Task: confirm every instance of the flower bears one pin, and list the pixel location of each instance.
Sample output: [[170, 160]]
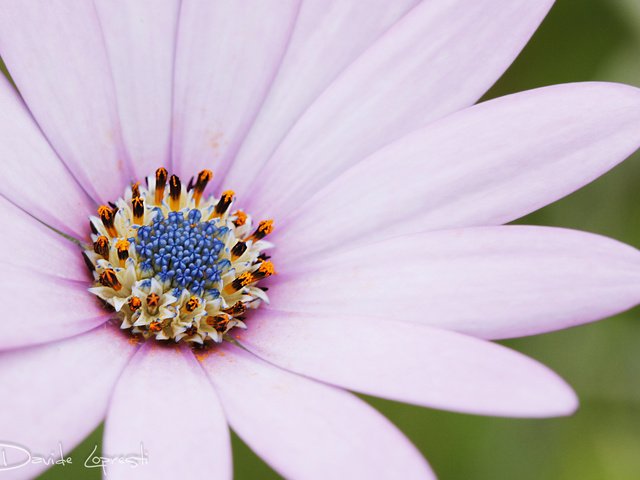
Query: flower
[[350, 124]]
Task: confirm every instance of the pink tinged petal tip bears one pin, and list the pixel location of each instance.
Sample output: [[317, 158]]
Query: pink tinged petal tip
[[228, 52], [429, 64], [409, 363], [488, 164], [305, 429], [56, 56], [140, 42], [491, 282], [44, 284], [33, 177], [165, 405], [54, 395]]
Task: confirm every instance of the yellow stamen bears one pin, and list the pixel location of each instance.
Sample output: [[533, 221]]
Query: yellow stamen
[[218, 323], [101, 246], [238, 250], [203, 178], [107, 215], [241, 218], [155, 327], [161, 181], [108, 278], [223, 204], [265, 227], [237, 309], [191, 304], [122, 246], [138, 210], [153, 300], [134, 303], [265, 270], [241, 281]]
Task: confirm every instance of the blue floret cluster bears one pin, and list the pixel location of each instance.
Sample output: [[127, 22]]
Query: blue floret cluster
[[181, 251]]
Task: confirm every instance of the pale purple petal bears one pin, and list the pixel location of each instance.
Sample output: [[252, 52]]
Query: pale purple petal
[[305, 429], [56, 56], [44, 284], [30, 245], [409, 363], [164, 404], [431, 63], [492, 282], [328, 36], [488, 164], [33, 177], [228, 52], [41, 308], [140, 41], [58, 393]]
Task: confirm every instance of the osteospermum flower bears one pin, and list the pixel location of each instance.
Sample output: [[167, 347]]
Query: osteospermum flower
[[347, 126]]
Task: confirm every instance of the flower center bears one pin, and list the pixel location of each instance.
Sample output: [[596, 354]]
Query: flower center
[[176, 266]]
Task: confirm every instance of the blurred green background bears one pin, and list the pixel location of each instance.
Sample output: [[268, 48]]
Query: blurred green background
[[580, 40]]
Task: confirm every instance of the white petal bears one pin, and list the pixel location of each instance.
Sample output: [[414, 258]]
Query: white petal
[[43, 286], [305, 429], [165, 405], [56, 394], [228, 52], [57, 58], [433, 62], [140, 40], [492, 282], [328, 36], [486, 165], [33, 177], [409, 363]]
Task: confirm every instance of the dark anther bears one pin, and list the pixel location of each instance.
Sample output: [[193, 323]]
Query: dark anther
[[192, 304], [161, 181], [101, 246], [203, 178], [153, 300], [241, 218], [138, 207], [161, 177], [265, 227], [237, 309], [107, 215], [225, 201], [174, 186], [134, 303], [108, 278], [238, 249], [122, 246], [219, 323]]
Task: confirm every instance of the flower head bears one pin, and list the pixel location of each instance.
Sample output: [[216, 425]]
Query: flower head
[[351, 125], [174, 265]]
